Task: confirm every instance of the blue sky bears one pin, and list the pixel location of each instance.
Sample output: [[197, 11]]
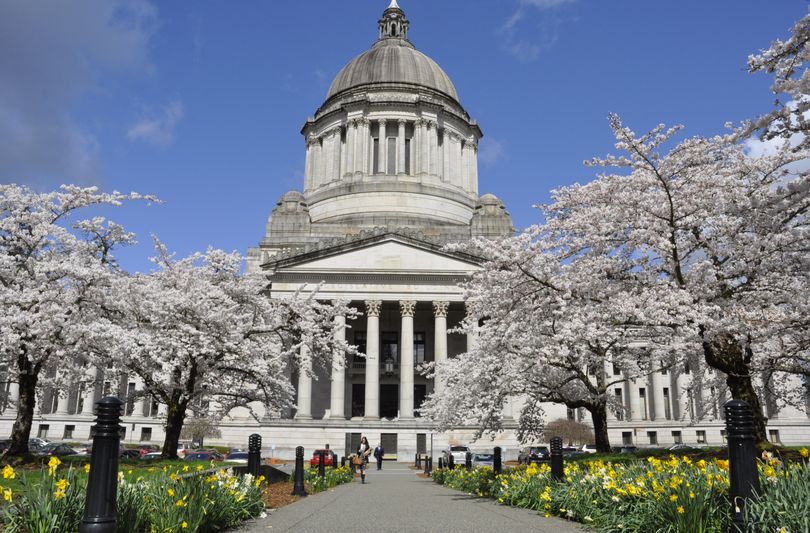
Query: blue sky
[[201, 103]]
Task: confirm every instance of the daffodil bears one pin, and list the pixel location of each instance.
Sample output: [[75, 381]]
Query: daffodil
[[8, 472], [53, 463]]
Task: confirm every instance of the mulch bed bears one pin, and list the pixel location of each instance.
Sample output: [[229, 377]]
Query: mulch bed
[[423, 475], [279, 494]]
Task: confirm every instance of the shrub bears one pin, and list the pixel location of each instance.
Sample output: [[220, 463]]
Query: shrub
[[332, 478]]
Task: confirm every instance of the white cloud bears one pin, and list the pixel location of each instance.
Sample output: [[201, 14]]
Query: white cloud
[[52, 54], [542, 37], [157, 130], [491, 150]]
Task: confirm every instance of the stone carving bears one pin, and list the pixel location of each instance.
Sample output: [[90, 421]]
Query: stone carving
[[407, 307], [373, 307], [440, 309]]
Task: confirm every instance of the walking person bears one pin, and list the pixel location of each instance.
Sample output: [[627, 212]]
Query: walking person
[[378, 454], [363, 451]]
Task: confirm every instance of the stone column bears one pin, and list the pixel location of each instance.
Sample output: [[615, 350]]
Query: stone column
[[62, 403], [372, 407], [328, 159], [681, 389], [304, 407], [473, 166], [89, 394], [457, 166], [308, 166], [358, 146], [446, 155], [416, 143], [383, 144], [424, 147], [13, 395], [335, 175], [351, 135], [439, 342], [407, 308], [401, 147], [317, 164], [433, 141], [337, 399], [365, 128], [657, 395]]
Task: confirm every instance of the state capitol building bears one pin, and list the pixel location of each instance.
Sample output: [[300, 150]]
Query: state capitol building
[[391, 176]]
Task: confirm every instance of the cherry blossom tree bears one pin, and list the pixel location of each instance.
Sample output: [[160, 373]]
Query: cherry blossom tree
[[52, 279], [556, 325], [197, 330]]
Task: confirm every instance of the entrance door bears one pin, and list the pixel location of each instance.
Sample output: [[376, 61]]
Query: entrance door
[[389, 400], [352, 443]]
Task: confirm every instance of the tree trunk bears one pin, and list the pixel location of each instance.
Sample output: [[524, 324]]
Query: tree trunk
[[175, 415], [21, 432], [600, 427], [728, 356]]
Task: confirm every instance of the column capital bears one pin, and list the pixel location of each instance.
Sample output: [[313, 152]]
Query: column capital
[[382, 120], [440, 308], [402, 121], [373, 307], [407, 307]]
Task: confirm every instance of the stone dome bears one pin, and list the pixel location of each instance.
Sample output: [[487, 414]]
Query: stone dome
[[395, 61]]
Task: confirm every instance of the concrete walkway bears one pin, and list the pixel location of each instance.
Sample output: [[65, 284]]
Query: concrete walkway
[[396, 500]]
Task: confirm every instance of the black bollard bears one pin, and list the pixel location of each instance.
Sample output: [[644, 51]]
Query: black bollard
[[298, 488], [557, 470], [742, 458], [441, 462], [496, 460], [102, 484], [322, 463], [430, 465], [427, 469], [451, 461], [418, 463], [342, 461], [468, 460], [254, 454]]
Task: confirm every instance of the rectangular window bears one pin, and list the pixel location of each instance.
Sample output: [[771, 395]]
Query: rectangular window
[[686, 369], [616, 370], [570, 413], [146, 434], [42, 431], [664, 371], [421, 443], [375, 152], [627, 438], [642, 400], [667, 404], [419, 347], [773, 436], [392, 155], [676, 437], [390, 347], [619, 403], [700, 436], [106, 388], [68, 434], [407, 156], [653, 437]]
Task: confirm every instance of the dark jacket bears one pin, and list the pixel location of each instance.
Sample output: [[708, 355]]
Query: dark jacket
[[379, 452]]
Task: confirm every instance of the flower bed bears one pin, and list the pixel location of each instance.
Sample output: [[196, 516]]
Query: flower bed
[[333, 477], [163, 501], [668, 494]]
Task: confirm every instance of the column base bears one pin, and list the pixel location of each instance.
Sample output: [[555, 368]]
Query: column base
[[337, 417], [302, 417], [371, 418]]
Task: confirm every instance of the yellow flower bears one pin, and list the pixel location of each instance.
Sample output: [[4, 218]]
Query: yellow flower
[[673, 498], [62, 484], [87, 468], [681, 510], [185, 468], [199, 468], [170, 492], [804, 452], [173, 476], [129, 471], [53, 463], [59, 494], [180, 503], [7, 495], [8, 472], [184, 525]]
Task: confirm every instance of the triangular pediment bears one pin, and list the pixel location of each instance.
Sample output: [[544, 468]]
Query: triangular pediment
[[381, 254]]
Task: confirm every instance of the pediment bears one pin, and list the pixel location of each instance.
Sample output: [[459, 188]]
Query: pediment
[[389, 254]]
